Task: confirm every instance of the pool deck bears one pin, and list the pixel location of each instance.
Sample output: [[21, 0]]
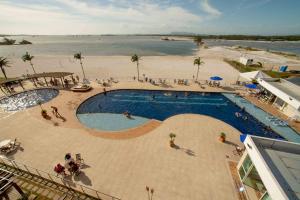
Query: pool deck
[[196, 169]]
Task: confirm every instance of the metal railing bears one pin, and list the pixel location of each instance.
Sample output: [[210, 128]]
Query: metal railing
[[92, 193]]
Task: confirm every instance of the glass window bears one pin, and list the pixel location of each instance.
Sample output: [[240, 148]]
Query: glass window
[[242, 172], [253, 180], [266, 197], [247, 163], [279, 102]]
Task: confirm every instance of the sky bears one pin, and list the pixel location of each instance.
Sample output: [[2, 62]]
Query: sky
[[59, 17]]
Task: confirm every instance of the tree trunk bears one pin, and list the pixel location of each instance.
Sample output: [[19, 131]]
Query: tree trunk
[[197, 73], [32, 67], [4, 73], [138, 70], [82, 70]]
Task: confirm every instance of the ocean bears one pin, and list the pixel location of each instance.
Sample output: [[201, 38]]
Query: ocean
[[126, 45]]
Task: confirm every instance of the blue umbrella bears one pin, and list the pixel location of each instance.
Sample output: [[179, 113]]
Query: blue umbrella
[[243, 137], [216, 78], [251, 86]]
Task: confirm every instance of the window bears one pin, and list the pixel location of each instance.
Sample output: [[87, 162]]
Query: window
[[247, 163], [266, 197], [279, 102]]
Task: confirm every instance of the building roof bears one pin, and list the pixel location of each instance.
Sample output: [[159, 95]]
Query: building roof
[[278, 165], [254, 75], [285, 90], [11, 80], [294, 80], [39, 75], [50, 74]]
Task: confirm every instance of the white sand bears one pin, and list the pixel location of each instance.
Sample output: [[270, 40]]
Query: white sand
[[152, 66]]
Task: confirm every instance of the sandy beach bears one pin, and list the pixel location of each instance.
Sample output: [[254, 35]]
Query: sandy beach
[[168, 67]]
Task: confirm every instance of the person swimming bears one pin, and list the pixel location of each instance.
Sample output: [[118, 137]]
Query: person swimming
[[127, 114], [237, 114]]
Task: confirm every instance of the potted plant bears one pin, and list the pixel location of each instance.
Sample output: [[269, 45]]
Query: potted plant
[[44, 113], [172, 139], [222, 137]]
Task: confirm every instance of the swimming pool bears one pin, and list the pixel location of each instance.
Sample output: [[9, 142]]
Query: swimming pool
[[161, 105], [27, 99]]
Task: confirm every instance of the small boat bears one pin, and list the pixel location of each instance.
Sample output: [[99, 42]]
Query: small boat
[[81, 88]]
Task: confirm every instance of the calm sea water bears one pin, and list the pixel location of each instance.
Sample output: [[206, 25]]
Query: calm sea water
[[99, 45], [126, 45]]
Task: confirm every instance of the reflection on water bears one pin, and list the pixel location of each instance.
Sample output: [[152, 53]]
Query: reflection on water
[[27, 99]]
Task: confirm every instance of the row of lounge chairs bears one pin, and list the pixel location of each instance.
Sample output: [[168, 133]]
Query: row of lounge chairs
[[276, 122], [107, 83]]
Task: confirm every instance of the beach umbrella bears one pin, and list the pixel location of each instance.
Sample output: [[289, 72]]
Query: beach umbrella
[[243, 137], [216, 78], [251, 86]]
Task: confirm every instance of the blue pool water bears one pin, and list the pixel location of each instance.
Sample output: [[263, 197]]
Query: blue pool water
[[160, 105], [111, 121]]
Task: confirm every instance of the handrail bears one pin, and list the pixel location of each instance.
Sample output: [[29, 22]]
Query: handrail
[[60, 180]]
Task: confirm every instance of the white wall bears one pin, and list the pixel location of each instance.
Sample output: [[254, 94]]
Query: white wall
[[289, 100], [268, 178]]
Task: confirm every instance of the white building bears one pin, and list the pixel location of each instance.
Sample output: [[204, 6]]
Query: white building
[[270, 169], [254, 75], [246, 61], [283, 95]]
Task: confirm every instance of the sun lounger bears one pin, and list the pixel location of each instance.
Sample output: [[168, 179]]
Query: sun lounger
[[280, 123], [79, 159], [8, 146], [238, 150], [81, 88]]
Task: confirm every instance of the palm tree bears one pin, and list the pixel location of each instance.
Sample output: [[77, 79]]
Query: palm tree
[[198, 40], [4, 63], [78, 56], [136, 58], [198, 62], [28, 57]]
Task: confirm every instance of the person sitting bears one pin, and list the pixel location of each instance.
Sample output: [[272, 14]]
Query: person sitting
[[74, 168], [59, 169]]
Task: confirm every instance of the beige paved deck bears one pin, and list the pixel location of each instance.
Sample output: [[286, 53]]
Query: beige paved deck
[[197, 170]]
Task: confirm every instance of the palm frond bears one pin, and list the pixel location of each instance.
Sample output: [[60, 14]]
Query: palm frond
[[4, 62], [27, 57], [78, 56]]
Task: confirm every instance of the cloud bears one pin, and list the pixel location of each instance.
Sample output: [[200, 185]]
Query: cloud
[[208, 8], [80, 17]]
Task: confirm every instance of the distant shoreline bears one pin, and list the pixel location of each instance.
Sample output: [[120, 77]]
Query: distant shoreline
[[271, 38]]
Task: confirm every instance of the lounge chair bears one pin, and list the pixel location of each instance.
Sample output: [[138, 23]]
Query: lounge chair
[[81, 88], [280, 123], [79, 159], [238, 150], [10, 147]]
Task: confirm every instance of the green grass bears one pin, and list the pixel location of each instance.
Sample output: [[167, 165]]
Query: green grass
[[275, 74], [242, 68]]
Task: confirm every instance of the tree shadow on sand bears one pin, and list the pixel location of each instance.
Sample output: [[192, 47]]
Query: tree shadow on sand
[[187, 151], [230, 143]]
